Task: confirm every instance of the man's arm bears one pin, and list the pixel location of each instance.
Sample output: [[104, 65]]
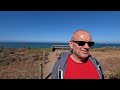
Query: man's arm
[[54, 74]]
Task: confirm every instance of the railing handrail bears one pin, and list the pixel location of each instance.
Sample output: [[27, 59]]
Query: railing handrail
[[53, 47], [61, 45], [48, 76]]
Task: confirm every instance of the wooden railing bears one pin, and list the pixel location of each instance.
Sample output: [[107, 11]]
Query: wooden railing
[[62, 47]]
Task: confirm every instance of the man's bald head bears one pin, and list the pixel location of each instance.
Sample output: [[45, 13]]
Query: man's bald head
[[81, 34]]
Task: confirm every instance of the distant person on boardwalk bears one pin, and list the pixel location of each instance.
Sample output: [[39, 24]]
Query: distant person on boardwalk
[[78, 63]]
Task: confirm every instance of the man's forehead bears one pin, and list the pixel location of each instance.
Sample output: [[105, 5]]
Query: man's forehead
[[78, 36], [82, 36]]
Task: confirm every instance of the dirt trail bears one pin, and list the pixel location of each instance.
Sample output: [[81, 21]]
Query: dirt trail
[[48, 66], [52, 57]]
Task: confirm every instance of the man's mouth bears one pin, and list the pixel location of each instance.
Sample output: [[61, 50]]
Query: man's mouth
[[84, 52]]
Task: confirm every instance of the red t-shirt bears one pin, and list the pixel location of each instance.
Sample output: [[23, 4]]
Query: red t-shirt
[[76, 70]]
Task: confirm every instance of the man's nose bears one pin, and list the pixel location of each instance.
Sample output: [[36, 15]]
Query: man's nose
[[86, 45]]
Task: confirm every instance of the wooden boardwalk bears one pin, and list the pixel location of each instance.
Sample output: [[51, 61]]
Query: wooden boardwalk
[[49, 66]]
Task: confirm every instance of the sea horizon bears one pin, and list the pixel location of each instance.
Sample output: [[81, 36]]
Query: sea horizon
[[48, 44]]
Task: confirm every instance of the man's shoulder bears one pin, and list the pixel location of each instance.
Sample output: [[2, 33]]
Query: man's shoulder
[[92, 58], [63, 56]]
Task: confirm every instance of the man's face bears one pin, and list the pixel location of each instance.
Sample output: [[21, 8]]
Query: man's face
[[81, 49]]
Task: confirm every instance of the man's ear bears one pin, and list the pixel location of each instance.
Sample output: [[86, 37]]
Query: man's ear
[[71, 44]]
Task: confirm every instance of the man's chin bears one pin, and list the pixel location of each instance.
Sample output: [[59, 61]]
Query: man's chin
[[85, 55], [85, 58]]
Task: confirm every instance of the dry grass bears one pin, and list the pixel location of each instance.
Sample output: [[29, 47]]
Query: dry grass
[[20, 70], [109, 59], [25, 63], [22, 63]]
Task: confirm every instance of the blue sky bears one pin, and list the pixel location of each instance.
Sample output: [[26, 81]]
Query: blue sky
[[52, 26]]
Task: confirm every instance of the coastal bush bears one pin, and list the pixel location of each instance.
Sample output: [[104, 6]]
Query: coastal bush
[[10, 55], [1, 49], [115, 76]]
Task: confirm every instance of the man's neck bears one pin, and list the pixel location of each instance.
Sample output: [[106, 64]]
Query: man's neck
[[76, 59]]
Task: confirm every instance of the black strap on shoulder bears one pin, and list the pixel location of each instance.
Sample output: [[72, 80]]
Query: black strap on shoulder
[[99, 68]]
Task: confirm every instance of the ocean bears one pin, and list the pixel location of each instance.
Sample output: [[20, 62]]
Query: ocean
[[48, 45]]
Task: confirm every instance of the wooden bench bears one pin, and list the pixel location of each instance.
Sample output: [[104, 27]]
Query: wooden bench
[[54, 47]]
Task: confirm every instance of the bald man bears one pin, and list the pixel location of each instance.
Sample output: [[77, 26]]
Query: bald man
[[78, 64]]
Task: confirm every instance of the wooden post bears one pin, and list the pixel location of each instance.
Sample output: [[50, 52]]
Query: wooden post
[[41, 71], [41, 66], [44, 61]]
